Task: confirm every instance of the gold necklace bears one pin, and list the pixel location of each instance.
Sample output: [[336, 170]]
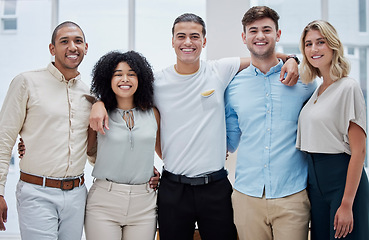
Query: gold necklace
[[316, 99]]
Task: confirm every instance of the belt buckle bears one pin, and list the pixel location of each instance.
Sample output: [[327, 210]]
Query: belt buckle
[[206, 179], [66, 180]]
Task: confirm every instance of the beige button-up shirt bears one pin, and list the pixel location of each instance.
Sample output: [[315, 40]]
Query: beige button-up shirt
[[52, 116]]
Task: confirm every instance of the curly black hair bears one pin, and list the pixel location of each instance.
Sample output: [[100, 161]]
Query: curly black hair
[[102, 75]]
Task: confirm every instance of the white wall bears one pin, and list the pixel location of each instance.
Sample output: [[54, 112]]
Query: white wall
[[224, 28]]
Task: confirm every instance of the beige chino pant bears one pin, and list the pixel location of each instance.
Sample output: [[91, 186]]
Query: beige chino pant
[[284, 218], [120, 211]]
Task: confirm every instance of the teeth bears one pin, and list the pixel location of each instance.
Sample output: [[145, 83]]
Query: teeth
[[125, 87], [315, 57], [260, 43], [72, 56], [187, 50]]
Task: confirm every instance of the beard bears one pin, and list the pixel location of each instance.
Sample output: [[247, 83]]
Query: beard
[[262, 54]]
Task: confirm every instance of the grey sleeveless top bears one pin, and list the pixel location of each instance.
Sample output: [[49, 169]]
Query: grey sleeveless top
[[126, 155]]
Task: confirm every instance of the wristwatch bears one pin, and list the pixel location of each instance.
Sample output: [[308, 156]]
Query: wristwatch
[[294, 57]]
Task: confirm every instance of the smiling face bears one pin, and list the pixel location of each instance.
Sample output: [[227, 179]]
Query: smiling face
[[188, 42], [69, 50], [261, 37], [124, 84], [317, 51]]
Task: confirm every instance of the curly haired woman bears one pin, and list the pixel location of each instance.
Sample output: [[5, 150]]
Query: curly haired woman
[[120, 203]]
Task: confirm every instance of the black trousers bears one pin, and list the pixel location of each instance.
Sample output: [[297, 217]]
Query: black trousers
[[180, 206], [327, 179]]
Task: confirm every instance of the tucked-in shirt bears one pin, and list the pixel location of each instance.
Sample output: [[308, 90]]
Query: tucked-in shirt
[[52, 116], [126, 155], [324, 121], [262, 116], [193, 135]]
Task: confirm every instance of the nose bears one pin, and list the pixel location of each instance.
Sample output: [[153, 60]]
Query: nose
[[72, 46], [260, 35], [188, 41], [125, 78], [314, 47]]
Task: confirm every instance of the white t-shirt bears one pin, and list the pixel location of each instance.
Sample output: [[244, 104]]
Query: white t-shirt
[[193, 132], [323, 125]]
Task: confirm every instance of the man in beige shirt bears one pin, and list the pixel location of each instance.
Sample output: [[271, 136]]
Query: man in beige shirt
[[50, 110]]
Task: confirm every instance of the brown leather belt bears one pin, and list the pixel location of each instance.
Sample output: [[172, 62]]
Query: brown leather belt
[[63, 184]]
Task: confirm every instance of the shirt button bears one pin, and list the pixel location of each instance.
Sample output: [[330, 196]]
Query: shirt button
[[266, 147], [267, 94], [268, 129], [268, 111], [265, 165]]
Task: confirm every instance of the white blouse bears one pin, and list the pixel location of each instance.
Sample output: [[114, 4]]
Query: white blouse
[[324, 120]]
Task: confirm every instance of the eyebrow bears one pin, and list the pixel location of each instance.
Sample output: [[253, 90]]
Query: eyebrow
[[118, 70], [263, 27], [318, 39], [191, 34], [63, 38]]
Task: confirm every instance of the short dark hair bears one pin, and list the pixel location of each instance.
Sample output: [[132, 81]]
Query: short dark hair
[[64, 24], [257, 13], [103, 71], [190, 17]]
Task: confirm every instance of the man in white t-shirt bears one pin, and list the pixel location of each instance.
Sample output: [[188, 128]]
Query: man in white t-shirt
[[189, 96]]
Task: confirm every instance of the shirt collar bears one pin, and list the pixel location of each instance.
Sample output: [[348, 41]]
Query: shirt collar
[[58, 75], [272, 70]]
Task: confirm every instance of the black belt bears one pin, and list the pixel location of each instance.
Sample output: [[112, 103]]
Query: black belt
[[194, 181]]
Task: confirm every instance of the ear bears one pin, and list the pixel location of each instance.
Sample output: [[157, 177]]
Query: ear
[[204, 42], [279, 32], [86, 48], [243, 35], [52, 49]]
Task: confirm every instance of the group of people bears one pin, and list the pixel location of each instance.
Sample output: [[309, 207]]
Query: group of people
[[293, 165]]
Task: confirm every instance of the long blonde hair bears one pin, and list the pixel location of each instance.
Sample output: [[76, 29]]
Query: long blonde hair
[[340, 66]]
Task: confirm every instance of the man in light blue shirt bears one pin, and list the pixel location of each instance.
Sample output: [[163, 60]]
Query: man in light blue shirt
[[270, 200]]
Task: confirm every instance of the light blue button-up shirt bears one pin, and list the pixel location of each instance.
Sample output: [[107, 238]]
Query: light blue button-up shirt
[[262, 116]]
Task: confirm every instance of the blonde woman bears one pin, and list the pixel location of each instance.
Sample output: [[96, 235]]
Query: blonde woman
[[332, 128]]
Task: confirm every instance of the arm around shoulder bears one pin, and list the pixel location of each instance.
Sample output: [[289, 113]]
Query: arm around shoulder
[[99, 117], [244, 63]]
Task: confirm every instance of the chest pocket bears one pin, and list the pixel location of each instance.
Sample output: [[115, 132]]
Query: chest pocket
[[209, 99]]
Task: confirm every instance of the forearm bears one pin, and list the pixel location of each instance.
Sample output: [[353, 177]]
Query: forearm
[[91, 146], [357, 141], [158, 142], [354, 172], [91, 142], [282, 56], [244, 63]]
